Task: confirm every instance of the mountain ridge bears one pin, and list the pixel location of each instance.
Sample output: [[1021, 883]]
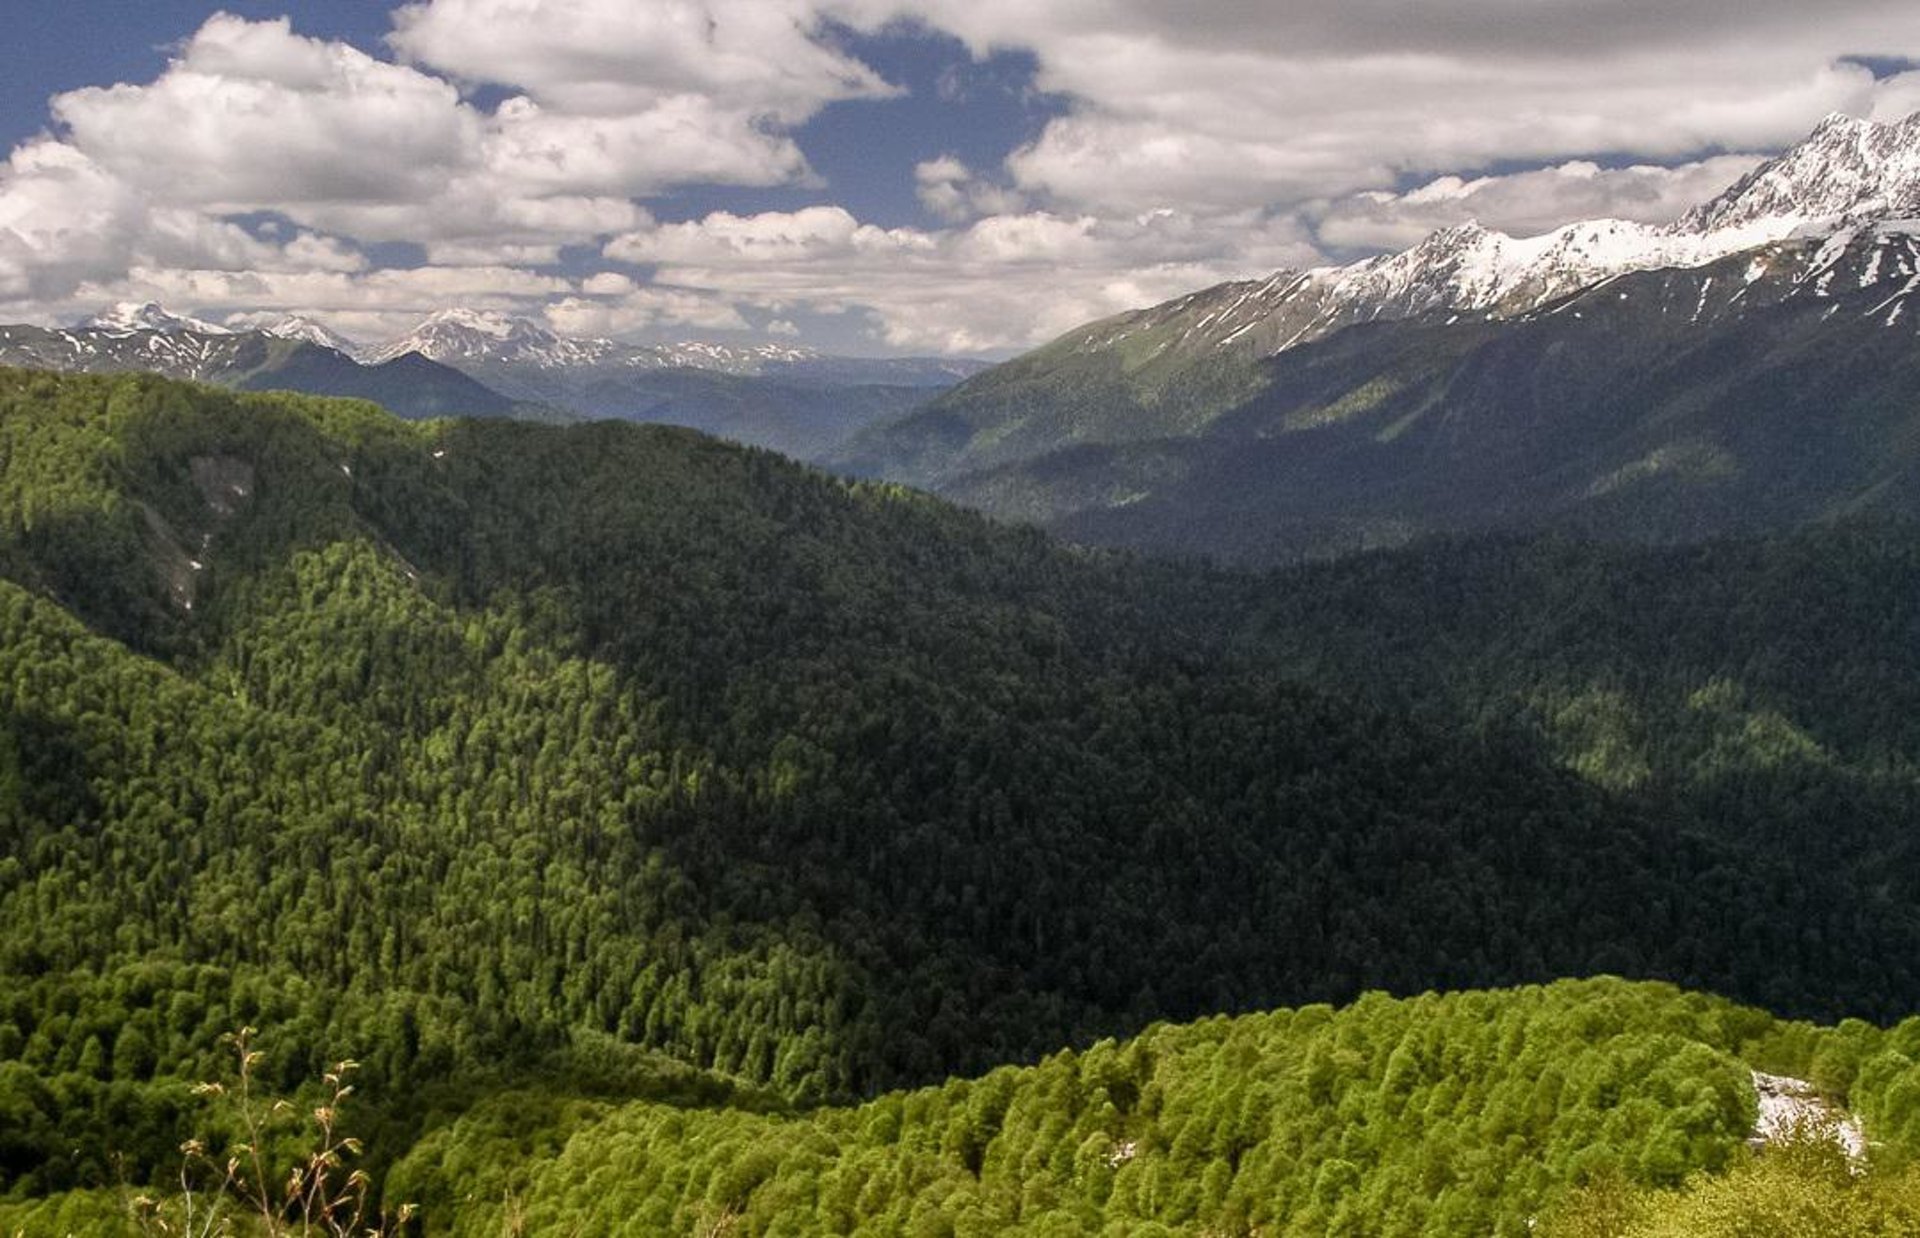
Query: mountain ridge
[[1100, 433]]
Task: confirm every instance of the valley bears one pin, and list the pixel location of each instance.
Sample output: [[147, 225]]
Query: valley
[[754, 621], [829, 789]]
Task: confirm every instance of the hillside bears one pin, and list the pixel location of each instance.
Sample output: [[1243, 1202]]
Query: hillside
[[1468, 1113], [445, 743], [1748, 368], [1583, 1107]]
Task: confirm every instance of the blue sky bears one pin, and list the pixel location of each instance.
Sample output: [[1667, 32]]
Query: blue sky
[[873, 176]]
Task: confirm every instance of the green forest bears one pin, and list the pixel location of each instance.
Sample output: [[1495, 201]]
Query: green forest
[[665, 827]]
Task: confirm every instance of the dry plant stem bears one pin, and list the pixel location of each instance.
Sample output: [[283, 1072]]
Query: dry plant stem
[[310, 1192]]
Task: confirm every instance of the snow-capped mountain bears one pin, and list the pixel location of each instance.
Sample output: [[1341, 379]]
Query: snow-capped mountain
[[483, 337], [281, 355], [1846, 172], [794, 400], [1848, 175], [132, 316], [294, 327], [1806, 271]]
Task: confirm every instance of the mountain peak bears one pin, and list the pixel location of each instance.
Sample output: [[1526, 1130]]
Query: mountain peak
[[294, 327], [151, 316], [489, 323], [460, 334], [1847, 171]]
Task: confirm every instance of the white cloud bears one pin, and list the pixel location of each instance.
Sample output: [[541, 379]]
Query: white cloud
[[1897, 97], [682, 140], [951, 191], [1001, 283], [1196, 144], [65, 219], [619, 58], [1527, 203], [640, 309], [1244, 104], [367, 305], [252, 116]]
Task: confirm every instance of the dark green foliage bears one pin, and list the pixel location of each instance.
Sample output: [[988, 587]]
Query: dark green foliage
[[1764, 692], [454, 747]]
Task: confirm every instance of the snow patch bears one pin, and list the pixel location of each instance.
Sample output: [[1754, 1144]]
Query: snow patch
[[1793, 1107]]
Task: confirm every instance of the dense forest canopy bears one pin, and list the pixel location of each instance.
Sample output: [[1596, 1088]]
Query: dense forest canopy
[[488, 753]]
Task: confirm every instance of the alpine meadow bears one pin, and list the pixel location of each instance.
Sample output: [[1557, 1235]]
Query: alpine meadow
[[901, 619]]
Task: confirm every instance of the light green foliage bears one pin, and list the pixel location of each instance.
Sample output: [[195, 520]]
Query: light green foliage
[[1437, 1115], [1803, 1190], [492, 754]]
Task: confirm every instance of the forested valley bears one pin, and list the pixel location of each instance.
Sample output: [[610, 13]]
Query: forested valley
[[663, 826]]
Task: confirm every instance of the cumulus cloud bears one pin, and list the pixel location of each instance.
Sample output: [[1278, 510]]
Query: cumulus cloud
[[687, 139], [1000, 283], [251, 115], [372, 304], [636, 309], [65, 219], [1527, 203], [1191, 146], [614, 57], [1252, 105], [952, 192]]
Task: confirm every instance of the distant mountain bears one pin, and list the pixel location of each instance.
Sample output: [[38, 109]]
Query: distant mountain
[[1248, 418], [475, 363], [134, 316], [453, 336], [295, 327], [791, 399], [150, 339], [489, 339]]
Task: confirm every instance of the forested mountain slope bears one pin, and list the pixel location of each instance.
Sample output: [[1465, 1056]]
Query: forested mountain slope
[[444, 744], [1747, 368], [1762, 690], [1469, 1113], [1765, 392]]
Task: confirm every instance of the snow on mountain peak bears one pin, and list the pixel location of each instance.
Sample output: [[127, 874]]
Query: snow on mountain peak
[[132, 316], [459, 335], [489, 323], [1847, 171], [293, 327], [485, 337]]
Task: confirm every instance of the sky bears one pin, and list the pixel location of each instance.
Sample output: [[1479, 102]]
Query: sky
[[962, 177]]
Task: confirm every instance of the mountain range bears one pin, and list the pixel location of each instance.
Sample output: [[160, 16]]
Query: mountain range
[[795, 400], [473, 363], [148, 339], [1750, 365]]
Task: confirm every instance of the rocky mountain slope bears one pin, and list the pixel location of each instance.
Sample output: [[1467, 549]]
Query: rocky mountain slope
[[1232, 419]]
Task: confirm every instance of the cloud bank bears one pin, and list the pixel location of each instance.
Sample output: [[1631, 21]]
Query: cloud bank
[[520, 150]]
